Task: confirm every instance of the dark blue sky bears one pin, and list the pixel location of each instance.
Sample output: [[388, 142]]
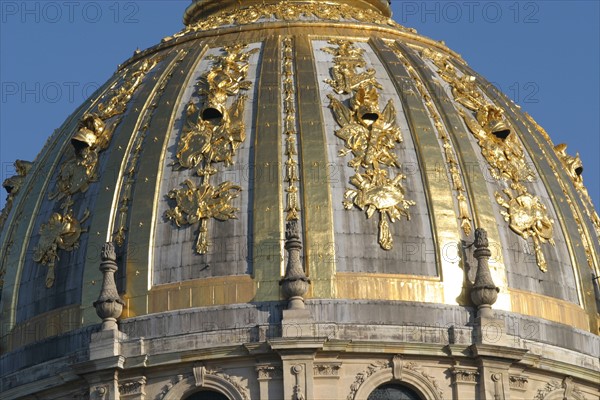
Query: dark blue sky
[[542, 54]]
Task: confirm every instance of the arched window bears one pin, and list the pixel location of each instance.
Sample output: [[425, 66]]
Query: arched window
[[393, 392], [207, 395]]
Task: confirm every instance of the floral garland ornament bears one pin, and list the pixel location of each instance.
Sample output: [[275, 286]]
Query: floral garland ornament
[[526, 214], [370, 135], [212, 135]]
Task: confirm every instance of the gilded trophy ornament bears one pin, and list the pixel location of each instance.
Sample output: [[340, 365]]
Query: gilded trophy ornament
[[574, 169], [370, 135], [528, 217], [197, 204], [212, 135], [504, 153], [63, 230]]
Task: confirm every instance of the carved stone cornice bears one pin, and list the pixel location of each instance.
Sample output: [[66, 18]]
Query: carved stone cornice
[[327, 370], [133, 388], [467, 375], [268, 372], [518, 382]]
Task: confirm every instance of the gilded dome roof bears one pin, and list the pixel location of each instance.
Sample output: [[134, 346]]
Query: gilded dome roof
[[385, 147]]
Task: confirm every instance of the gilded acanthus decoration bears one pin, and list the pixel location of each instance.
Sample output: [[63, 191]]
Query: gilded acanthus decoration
[[526, 214], [285, 11], [449, 154], [212, 135], [370, 135], [289, 122], [129, 177], [94, 134], [12, 186]]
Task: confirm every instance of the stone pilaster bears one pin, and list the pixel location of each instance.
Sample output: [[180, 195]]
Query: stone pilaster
[[266, 374], [494, 365], [464, 381], [297, 358]]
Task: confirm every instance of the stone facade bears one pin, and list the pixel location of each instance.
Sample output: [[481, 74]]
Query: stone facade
[[341, 360]]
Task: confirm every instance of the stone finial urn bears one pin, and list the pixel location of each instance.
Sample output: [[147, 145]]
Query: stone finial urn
[[295, 283], [484, 292], [109, 305]]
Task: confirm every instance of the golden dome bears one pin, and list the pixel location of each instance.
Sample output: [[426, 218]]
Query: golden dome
[[385, 145]]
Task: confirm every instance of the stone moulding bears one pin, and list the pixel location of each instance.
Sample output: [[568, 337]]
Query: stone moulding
[[233, 387], [398, 370]]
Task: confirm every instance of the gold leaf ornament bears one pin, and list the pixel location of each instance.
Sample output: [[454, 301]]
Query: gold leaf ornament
[[528, 217], [62, 231], [94, 133], [213, 133], [198, 204], [370, 135], [526, 214]]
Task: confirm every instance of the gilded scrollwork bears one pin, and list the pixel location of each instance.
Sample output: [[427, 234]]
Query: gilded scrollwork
[[504, 153], [287, 11], [464, 214], [213, 134], [370, 135], [94, 133]]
